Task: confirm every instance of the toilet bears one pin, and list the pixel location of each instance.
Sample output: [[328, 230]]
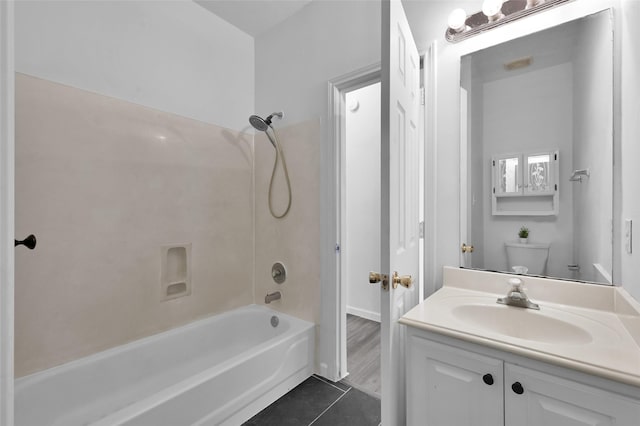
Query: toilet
[[527, 258]]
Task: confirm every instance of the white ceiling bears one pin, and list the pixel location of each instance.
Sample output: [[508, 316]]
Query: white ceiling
[[257, 16], [253, 16]]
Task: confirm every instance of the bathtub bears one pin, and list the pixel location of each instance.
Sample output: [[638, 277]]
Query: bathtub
[[217, 371]]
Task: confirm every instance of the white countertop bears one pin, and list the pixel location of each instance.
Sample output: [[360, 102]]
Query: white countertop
[[586, 327]]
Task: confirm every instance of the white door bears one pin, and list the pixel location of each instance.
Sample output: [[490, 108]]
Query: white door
[[6, 211], [399, 198]]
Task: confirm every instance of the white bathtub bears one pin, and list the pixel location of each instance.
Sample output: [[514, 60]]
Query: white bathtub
[[217, 371]]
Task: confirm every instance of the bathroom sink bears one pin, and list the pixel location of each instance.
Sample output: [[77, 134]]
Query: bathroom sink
[[591, 328], [527, 324]]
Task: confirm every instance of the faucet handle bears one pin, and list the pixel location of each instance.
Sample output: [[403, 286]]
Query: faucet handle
[[516, 284]]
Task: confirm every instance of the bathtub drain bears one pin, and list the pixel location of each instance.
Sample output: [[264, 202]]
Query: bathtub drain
[[275, 321]]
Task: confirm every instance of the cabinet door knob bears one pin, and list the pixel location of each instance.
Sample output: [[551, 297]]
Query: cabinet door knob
[[488, 379], [517, 388]]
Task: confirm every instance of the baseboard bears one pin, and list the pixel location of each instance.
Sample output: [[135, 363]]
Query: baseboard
[[363, 313]]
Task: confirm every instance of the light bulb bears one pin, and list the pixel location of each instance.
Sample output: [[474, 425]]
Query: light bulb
[[533, 3], [457, 20], [492, 9]]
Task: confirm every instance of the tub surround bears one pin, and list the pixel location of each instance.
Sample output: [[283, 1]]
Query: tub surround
[[104, 184], [292, 240], [604, 343]]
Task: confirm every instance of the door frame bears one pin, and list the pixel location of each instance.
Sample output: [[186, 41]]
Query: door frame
[[332, 349], [331, 359], [7, 202]]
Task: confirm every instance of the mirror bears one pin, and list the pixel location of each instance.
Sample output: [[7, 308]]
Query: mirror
[[537, 114]]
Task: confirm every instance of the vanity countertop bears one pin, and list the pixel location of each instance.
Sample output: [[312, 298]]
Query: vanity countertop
[[585, 327]]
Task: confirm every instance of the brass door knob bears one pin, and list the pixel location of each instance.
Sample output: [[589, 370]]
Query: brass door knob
[[403, 280], [377, 277], [467, 248]]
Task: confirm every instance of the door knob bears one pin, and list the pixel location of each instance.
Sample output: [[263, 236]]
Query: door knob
[[467, 248], [376, 277], [29, 242], [403, 280]]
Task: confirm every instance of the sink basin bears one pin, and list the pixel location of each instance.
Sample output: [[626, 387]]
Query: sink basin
[[522, 323]]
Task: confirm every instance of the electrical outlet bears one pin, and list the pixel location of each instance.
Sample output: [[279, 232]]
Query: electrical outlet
[[628, 235]]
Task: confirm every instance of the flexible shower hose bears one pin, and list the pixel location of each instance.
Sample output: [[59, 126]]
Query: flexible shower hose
[[279, 154]]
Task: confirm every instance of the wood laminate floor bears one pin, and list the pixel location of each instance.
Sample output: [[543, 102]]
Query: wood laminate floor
[[363, 354]]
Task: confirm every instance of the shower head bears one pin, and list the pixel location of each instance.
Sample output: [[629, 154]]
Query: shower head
[[261, 124], [258, 123]]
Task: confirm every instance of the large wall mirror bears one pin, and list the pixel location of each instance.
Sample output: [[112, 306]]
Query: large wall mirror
[[537, 143]]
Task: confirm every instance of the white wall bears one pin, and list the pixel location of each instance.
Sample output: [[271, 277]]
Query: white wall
[[630, 35], [169, 55], [295, 60], [361, 247]]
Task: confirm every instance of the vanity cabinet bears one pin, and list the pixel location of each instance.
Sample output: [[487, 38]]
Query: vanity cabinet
[[535, 398], [450, 385]]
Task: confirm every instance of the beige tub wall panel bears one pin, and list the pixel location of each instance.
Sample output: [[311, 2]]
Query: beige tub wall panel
[[103, 184], [294, 239]]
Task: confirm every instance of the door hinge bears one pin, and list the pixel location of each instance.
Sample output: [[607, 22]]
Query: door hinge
[[421, 230], [422, 96], [337, 248]]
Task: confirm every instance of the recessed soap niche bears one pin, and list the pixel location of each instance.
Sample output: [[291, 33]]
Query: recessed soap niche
[[175, 276]]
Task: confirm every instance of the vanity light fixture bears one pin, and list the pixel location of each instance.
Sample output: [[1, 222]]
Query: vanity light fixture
[[493, 14]]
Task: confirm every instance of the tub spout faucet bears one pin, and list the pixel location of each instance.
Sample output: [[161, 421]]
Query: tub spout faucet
[[270, 297], [517, 297]]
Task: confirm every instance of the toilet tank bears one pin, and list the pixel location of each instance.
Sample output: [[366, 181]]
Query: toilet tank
[[532, 256]]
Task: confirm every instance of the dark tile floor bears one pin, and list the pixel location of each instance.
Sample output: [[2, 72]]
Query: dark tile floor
[[319, 402]]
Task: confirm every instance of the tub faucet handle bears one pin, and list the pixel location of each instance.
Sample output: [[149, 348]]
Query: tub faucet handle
[[278, 273]]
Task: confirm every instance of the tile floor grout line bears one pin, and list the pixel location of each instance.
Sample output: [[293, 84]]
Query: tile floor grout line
[[327, 409], [331, 384]]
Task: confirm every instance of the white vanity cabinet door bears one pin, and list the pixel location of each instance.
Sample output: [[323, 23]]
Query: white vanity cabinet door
[[448, 386], [549, 400]]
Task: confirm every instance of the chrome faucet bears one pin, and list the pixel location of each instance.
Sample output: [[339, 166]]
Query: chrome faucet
[[270, 297], [517, 297]]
